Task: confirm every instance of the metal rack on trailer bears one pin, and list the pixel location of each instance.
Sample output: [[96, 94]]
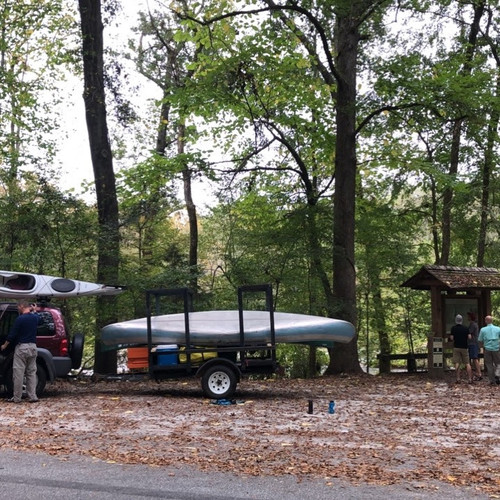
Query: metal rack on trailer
[[219, 367]]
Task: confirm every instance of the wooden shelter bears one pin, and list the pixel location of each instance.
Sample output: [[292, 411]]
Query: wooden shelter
[[454, 290]]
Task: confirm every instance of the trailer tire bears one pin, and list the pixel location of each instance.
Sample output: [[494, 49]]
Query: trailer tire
[[219, 382]]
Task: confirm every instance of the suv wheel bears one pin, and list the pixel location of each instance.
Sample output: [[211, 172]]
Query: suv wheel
[[76, 353], [41, 381]]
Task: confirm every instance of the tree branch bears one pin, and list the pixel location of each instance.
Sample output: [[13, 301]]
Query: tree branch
[[293, 7], [382, 110]]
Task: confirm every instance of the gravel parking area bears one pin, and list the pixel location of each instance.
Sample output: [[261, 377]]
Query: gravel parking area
[[398, 429]]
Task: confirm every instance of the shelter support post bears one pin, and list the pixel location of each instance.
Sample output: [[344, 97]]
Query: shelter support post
[[435, 339]]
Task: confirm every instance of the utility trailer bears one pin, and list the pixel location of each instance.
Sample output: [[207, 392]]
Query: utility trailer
[[219, 367]]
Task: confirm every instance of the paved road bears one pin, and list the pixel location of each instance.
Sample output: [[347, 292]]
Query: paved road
[[26, 476]]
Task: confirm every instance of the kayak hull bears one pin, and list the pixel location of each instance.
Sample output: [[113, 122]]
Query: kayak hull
[[31, 286]]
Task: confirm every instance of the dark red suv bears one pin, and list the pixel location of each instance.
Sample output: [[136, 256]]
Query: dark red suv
[[58, 353]]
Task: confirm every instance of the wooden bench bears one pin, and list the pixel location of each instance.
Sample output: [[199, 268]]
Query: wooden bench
[[411, 359]]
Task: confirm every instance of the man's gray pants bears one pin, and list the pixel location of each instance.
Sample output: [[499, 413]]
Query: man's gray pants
[[492, 363], [24, 364]]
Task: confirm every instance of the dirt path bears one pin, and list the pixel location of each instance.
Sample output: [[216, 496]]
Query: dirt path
[[385, 430]]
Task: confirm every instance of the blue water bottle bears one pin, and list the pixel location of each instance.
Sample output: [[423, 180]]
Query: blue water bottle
[[331, 407]]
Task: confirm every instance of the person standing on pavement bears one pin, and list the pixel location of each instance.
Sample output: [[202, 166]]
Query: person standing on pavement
[[489, 337], [474, 346], [23, 336], [460, 336]]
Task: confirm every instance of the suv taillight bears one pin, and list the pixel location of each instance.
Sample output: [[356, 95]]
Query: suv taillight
[[63, 347]]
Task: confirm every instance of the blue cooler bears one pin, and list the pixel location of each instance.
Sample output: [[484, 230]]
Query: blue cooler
[[165, 357]]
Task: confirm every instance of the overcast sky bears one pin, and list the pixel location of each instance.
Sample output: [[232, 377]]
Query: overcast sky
[[74, 146]]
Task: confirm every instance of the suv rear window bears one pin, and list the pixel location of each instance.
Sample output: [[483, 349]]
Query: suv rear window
[[47, 327]]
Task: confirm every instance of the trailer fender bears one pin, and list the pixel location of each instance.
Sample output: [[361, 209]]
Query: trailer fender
[[218, 361]]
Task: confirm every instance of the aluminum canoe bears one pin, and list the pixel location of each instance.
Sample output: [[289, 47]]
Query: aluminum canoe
[[212, 328]]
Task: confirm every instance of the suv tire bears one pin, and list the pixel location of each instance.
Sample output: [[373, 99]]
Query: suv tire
[[76, 353]]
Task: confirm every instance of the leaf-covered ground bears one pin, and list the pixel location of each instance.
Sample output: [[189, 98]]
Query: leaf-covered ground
[[386, 430]]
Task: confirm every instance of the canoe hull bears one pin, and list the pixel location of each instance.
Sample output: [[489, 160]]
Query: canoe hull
[[30, 286], [212, 328]]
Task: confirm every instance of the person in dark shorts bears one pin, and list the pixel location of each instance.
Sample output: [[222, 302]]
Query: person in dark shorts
[[473, 346], [460, 337]]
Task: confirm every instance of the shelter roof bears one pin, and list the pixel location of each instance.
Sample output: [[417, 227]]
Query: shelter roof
[[454, 278]]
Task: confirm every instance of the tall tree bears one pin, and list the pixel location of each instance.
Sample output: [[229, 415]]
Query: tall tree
[[102, 162], [349, 20], [456, 131], [330, 36], [165, 61], [491, 37], [440, 125], [31, 51], [31, 54]]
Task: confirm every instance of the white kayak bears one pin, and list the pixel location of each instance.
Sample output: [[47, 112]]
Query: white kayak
[[212, 328], [30, 286]]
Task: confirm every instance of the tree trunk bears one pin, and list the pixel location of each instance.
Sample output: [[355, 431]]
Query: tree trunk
[[486, 177], [315, 254], [456, 138], [161, 136], [344, 357], [379, 316], [102, 162], [448, 193], [312, 370], [191, 211], [381, 326], [434, 214], [172, 79]]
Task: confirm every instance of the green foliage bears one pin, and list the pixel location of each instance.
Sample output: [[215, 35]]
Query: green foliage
[[154, 236], [151, 180], [237, 236], [46, 231], [34, 38], [260, 120], [268, 110], [295, 359]]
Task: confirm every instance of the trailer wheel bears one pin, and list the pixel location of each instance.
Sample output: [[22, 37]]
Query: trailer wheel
[[219, 382]]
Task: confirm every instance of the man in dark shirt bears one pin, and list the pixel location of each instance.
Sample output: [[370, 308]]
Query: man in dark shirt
[[460, 336], [23, 335]]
